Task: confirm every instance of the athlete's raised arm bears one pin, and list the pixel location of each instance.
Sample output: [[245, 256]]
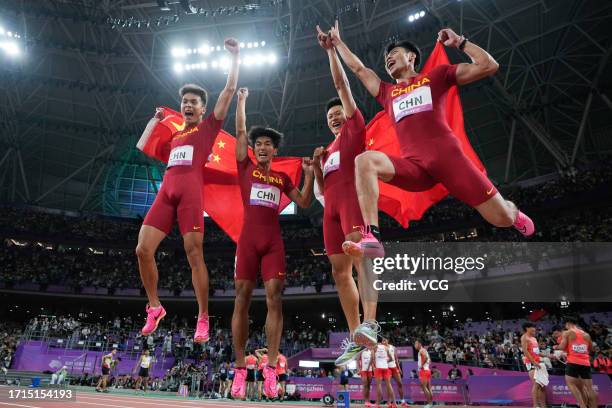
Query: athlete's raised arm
[[226, 95], [482, 65], [367, 76], [242, 144], [303, 198], [340, 80]]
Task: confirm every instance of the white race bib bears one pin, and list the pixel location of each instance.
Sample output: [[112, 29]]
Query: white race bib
[[416, 101], [332, 163], [579, 348], [181, 156], [265, 195], [536, 350]]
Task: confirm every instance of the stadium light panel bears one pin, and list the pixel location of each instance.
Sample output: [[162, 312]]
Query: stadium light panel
[[10, 48]]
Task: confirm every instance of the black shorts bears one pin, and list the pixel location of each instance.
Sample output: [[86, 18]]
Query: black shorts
[[260, 376], [344, 381], [283, 377], [250, 376], [144, 372], [578, 371], [223, 377], [105, 370]]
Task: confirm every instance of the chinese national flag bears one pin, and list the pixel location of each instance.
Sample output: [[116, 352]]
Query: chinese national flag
[[160, 133], [220, 190], [380, 135]]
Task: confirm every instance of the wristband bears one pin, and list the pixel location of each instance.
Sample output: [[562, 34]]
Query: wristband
[[462, 45]]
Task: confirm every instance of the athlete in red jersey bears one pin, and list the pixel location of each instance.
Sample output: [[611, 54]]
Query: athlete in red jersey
[[180, 196], [281, 372], [430, 153], [577, 344], [335, 174], [531, 358], [260, 244]]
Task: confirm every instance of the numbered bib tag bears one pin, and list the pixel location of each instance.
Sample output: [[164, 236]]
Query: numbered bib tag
[[181, 156], [579, 348], [416, 101], [332, 163], [265, 195]]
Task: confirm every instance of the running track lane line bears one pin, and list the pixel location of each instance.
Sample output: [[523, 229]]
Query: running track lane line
[[10, 404], [176, 401], [102, 403]]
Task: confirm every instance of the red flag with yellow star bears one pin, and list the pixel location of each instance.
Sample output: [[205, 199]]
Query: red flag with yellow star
[[160, 133], [380, 135], [221, 192]]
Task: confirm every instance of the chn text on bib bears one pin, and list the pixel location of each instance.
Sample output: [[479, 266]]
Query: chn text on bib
[[265, 195], [181, 156], [416, 101]]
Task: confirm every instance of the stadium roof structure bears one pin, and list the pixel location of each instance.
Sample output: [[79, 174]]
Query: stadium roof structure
[[90, 73]]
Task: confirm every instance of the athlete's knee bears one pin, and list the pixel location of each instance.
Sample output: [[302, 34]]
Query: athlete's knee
[[274, 299], [243, 295], [144, 251], [193, 250], [342, 274], [366, 163]]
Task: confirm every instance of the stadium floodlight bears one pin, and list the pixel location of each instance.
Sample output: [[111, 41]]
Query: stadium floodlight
[[178, 52], [272, 58], [263, 43], [241, 45], [414, 17], [10, 48]]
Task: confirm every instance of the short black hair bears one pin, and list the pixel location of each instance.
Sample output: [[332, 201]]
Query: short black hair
[[570, 319], [528, 325], [194, 89], [332, 102], [408, 46], [259, 131]]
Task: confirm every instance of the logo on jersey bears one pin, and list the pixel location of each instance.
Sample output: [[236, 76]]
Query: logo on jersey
[[401, 91], [270, 179], [180, 134]]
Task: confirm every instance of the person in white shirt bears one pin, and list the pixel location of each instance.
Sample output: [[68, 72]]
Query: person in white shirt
[[144, 362], [424, 363], [58, 377], [366, 372], [382, 373], [395, 370]]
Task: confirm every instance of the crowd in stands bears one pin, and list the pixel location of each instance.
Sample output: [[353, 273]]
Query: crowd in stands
[[80, 266], [489, 344], [10, 333], [173, 338]]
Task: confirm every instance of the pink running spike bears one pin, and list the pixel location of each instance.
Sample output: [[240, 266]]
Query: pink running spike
[[239, 384], [270, 384], [524, 224], [154, 316], [201, 333]]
